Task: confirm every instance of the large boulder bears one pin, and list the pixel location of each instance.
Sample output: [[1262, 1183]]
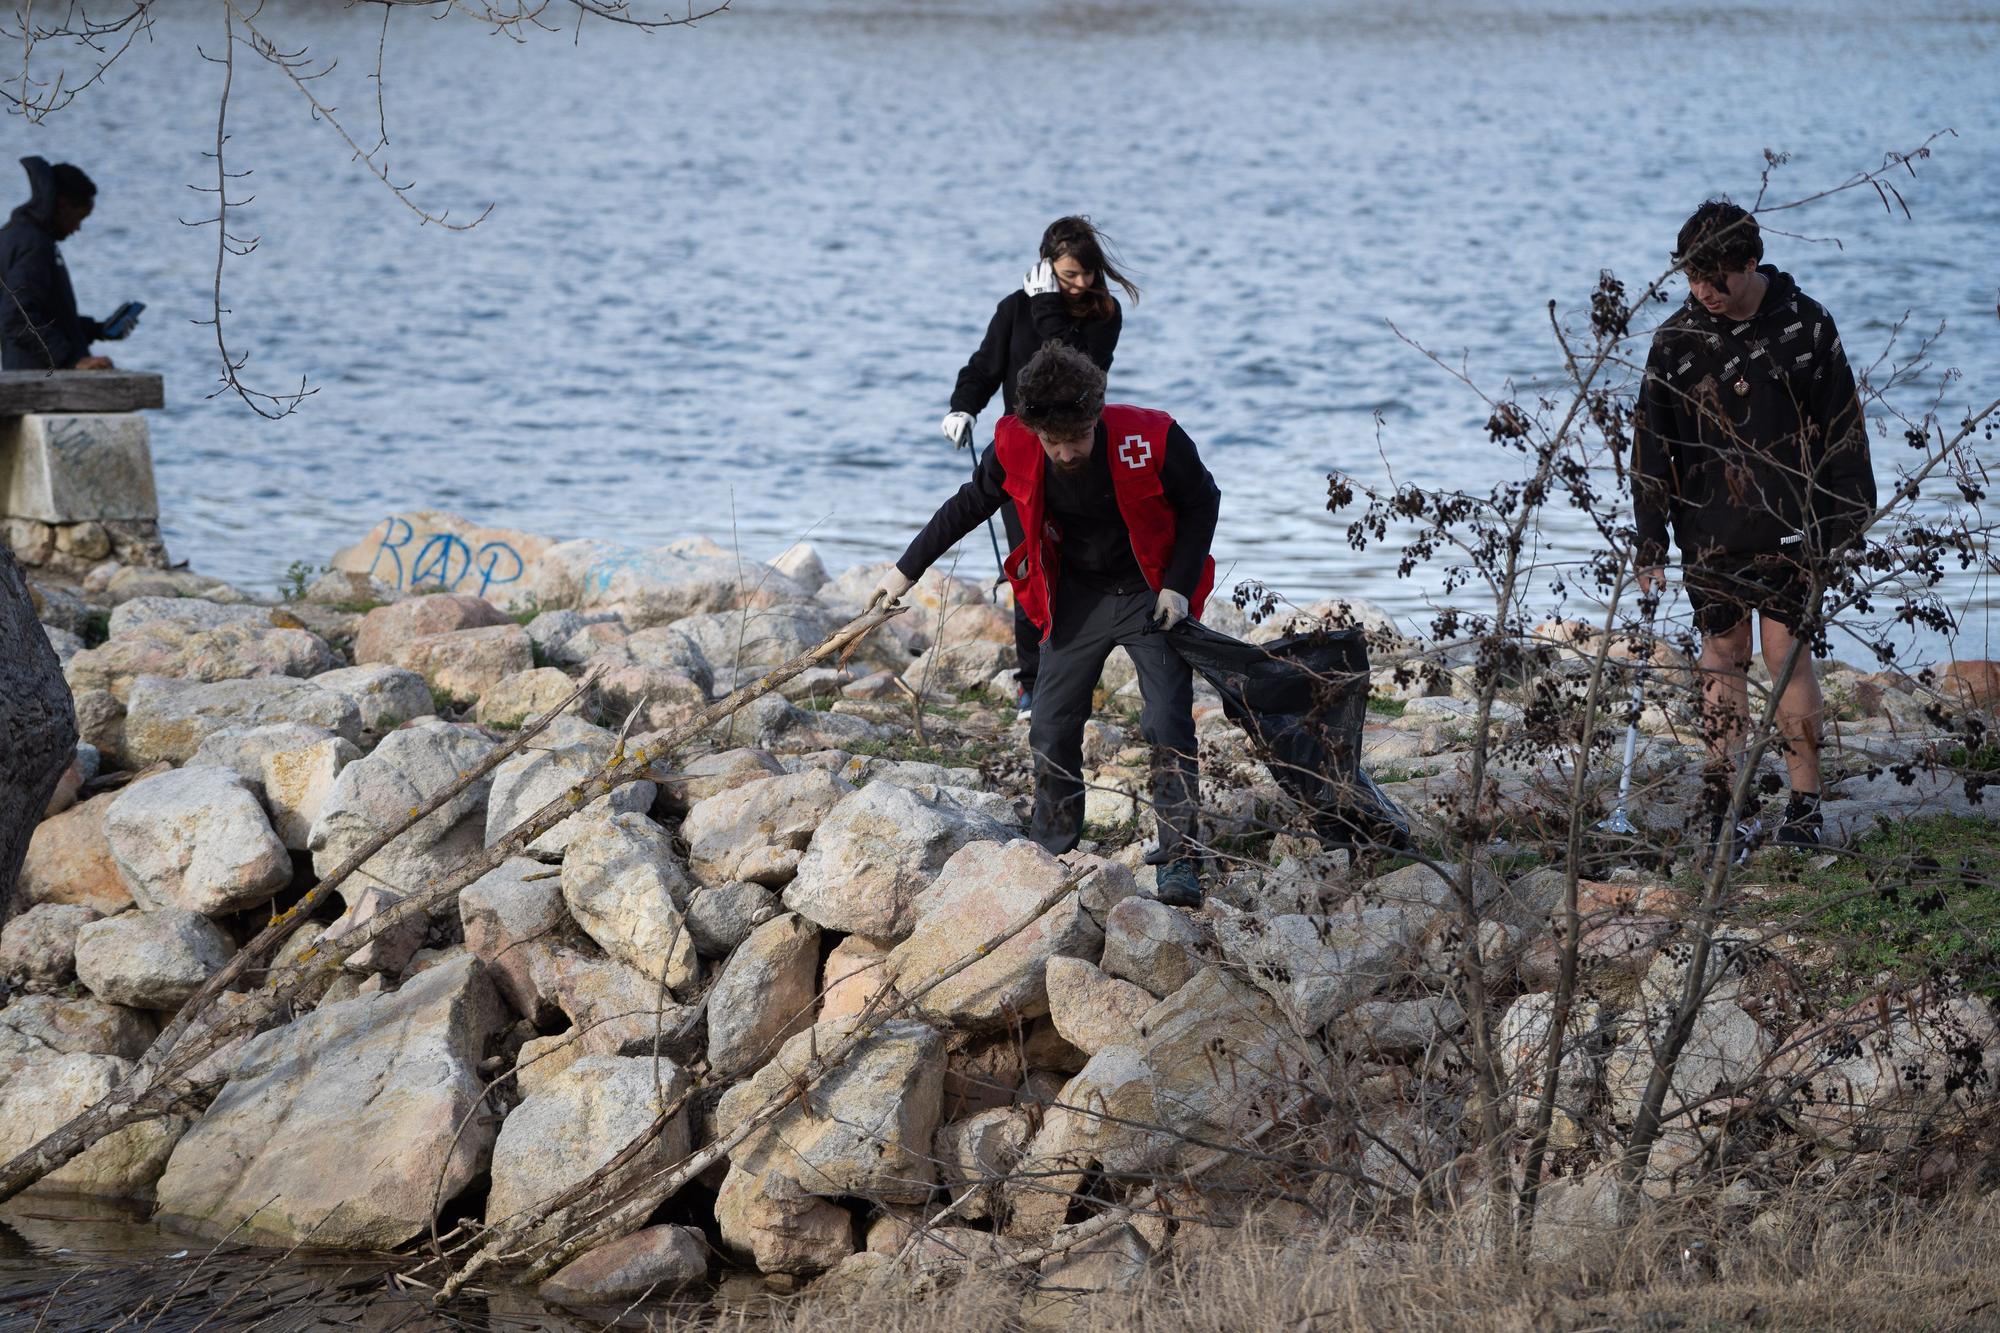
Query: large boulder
[[1202, 1067], [523, 696], [194, 613], [659, 585], [1321, 966], [951, 669], [34, 1026], [387, 630], [1149, 944], [510, 916], [167, 720], [463, 664], [1112, 1262], [227, 652], [385, 696], [722, 918], [764, 995], [1524, 1036], [1889, 1075], [121, 1165], [767, 1220], [1090, 1009], [350, 1126], [758, 638], [38, 947], [985, 888], [431, 549], [532, 778], [712, 774], [69, 860], [581, 1119], [874, 853], [759, 831], [289, 766], [866, 1128], [626, 889], [374, 794], [196, 838], [657, 1261], [150, 960], [978, 1153], [613, 1009]]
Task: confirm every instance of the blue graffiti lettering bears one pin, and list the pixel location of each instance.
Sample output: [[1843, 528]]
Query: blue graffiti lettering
[[444, 559], [393, 543], [492, 559], [434, 561]]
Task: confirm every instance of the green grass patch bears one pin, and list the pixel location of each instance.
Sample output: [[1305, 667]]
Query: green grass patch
[[1916, 899], [1386, 707]]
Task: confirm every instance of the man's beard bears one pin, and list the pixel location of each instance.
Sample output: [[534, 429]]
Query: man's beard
[[1071, 469]]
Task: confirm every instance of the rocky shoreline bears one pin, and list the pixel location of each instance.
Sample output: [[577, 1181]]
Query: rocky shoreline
[[668, 960]]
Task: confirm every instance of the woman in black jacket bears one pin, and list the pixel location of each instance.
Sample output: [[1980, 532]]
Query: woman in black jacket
[[1066, 297]]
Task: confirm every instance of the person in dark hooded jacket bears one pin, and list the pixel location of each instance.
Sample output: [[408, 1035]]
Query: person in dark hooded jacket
[[1750, 440], [40, 328], [1065, 298]]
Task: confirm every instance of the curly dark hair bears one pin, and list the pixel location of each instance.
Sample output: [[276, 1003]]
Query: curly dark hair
[[1060, 391], [1719, 237]]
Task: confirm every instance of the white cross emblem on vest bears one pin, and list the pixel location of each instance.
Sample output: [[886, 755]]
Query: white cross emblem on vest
[[1135, 451]]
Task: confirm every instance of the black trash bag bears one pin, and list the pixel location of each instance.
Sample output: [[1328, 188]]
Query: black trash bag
[[1302, 700]]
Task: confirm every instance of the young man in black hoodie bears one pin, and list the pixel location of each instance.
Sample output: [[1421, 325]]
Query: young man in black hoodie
[[40, 328], [1751, 441], [1119, 512]]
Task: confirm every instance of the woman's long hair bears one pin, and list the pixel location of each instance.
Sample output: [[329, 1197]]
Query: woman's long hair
[[1077, 238]]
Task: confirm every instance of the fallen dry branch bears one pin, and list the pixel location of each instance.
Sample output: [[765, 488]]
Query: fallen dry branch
[[160, 1081]]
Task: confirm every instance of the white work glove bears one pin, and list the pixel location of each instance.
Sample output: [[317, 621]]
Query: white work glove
[[1171, 609], [890, 590], [957, 427], [1041, 279]]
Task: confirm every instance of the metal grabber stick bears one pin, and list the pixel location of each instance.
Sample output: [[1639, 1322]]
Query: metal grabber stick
[[1620, 821], [999, 558]]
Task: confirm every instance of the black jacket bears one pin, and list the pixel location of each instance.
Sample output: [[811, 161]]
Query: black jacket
[[1020, 326], [39, 326], [1096, 544], [1748, 434]]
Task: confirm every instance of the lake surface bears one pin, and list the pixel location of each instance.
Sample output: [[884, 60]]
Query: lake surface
[[731, 272]]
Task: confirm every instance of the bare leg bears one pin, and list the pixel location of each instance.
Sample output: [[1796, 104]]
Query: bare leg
[[1801, 709], [1725, 692]]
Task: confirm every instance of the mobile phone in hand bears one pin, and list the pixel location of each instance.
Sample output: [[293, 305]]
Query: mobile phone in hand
[[122, 319]]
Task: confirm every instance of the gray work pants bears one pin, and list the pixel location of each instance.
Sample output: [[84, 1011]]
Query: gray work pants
[[1088, 625]]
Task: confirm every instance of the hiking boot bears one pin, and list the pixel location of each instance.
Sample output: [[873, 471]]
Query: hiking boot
[[1803, 825], [1177, 885], [1743, 835], [1024, 705]]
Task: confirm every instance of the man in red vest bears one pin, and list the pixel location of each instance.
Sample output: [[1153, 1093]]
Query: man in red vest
[[1119, 512]]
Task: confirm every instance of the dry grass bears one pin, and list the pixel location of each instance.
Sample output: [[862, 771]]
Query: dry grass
[[1908, 1266]]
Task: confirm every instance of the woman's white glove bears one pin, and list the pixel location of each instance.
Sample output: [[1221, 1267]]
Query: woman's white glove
[[1041, 279], [890, 590], [1171, 608], [957, 427]]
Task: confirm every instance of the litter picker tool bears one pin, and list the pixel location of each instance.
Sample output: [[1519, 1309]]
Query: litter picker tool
[[1620, 820], [999, 559]]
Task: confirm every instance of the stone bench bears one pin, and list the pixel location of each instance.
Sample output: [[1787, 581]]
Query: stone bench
[[76, 468]]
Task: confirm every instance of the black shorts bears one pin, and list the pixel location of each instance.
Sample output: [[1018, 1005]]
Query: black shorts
[[1725, 589]]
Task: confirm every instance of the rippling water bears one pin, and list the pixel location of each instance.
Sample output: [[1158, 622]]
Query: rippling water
[[731, 272]]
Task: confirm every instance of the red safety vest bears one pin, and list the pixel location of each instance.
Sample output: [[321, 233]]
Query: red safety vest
[[1137, 439]]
